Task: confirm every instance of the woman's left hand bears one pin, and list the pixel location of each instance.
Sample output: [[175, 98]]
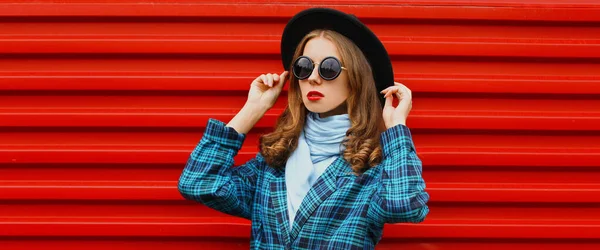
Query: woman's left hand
[[393, 116]]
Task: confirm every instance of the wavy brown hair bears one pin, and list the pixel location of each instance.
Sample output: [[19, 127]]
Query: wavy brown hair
[[363, 149]]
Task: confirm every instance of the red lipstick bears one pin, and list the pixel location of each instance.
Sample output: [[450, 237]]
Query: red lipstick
[[314, 95]]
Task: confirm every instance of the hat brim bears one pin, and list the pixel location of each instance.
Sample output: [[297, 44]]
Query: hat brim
[[348, 25]]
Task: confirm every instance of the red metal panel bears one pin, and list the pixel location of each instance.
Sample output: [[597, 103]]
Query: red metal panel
[[102, 101]]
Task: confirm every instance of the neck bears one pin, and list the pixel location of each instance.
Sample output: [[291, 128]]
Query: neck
[[341, 109]]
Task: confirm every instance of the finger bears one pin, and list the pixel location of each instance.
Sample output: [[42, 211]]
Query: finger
[[406, 92], [259, 79], [273, 82], [383, 92], [402, 86], [388, 102], [400, 95], [270, 79], [264, 79], [282, 79], [391, 91], [387, 89], [276, 77]]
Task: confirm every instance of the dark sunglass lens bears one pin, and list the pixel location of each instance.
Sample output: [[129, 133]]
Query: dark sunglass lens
[[303, 68], [330, 69]]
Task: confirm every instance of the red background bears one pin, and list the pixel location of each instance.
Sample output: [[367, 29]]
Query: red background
[[101, 103]]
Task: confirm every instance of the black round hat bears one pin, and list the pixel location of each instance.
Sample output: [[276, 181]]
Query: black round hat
[[346, 24]]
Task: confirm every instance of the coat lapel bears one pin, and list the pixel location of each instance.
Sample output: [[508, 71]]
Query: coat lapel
[[279, 201], [325, 185]]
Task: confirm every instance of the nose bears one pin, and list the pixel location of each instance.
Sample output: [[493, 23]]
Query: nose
[[314, 77]]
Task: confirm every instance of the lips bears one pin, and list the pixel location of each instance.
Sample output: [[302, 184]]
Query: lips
[[314, 95]]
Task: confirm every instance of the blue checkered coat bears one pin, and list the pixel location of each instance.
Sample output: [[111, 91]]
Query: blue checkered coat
[[341, 211]]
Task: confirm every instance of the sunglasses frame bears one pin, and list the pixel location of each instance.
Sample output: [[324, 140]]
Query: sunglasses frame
[[313, 67]]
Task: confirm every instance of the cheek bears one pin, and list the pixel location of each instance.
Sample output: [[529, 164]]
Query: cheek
[[303, 89], [302, 86], [342, 89]]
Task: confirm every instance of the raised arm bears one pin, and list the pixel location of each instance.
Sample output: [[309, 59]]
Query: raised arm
[[400, 195], [209, 176]]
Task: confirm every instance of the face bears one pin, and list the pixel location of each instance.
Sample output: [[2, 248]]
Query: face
[[318, 95]]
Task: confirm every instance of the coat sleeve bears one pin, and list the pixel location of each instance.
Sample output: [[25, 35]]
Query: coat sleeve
[[400, 194], [210, 178]]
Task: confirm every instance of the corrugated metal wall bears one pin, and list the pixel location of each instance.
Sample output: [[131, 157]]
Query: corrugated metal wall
[[102, 101]]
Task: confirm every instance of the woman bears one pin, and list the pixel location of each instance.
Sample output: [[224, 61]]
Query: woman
[[340, 162]]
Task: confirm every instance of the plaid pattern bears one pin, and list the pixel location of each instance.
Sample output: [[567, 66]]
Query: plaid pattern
[[341, 211]]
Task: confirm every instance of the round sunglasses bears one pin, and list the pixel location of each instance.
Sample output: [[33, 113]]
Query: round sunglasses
[[329, 69]]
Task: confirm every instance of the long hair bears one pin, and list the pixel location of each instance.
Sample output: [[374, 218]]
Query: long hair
[[363, 149]]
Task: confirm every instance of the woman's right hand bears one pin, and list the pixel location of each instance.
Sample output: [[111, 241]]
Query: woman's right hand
[[265, 89], [263, 93]]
